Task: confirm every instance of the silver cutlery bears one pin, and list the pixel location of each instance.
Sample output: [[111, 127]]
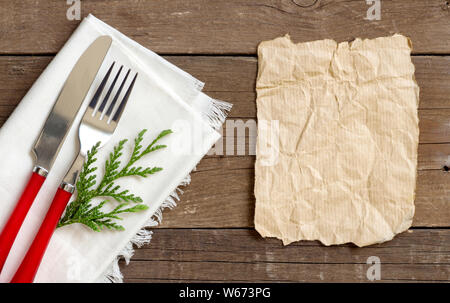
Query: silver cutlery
[[53, 135], [98, 125]]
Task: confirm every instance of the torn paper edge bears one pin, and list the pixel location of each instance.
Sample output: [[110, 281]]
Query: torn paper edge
[[405, 227]]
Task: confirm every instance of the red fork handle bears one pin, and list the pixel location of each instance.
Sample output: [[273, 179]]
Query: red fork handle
[[30, 264], [12, 227]]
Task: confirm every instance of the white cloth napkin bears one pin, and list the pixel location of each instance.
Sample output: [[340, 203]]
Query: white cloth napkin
[[164, 97]]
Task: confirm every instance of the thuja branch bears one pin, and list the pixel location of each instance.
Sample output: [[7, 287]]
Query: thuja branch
[[83, 211]]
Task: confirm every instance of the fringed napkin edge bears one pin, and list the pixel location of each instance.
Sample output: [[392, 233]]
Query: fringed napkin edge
[[215, 115]]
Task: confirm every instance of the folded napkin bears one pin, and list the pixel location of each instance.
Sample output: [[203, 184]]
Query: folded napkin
[[164, 97]]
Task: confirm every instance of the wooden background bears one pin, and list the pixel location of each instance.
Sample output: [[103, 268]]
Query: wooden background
[[210, 235]]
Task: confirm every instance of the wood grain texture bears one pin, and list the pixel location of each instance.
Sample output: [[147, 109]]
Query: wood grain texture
[[223, 27], [233, 79], [208, 202], [209, 236], [242, 255], [204, 271], [221, 196]]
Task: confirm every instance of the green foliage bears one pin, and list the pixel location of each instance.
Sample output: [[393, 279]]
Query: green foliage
[[82, 210]]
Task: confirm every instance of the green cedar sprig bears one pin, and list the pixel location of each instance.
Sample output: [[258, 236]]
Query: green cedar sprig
[[83, 211]]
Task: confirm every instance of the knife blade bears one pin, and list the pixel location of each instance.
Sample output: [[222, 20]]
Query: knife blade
[[68, 103], [53, 134]]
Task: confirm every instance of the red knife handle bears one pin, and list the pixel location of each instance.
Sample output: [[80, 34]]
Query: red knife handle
[[12, 227], [30, 264]]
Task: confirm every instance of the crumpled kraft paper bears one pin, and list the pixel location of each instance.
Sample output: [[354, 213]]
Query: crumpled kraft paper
[[337, 140]]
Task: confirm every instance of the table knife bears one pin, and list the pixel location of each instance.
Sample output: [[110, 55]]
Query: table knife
[[53, 135]]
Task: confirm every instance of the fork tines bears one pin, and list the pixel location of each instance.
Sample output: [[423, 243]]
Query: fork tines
[[112, 110]]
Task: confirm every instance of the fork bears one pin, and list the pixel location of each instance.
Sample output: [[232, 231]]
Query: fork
[[98, 125]]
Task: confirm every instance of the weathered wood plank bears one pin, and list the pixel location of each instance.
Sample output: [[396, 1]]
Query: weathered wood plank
[[280, 272], [430, 156], [234, 79], [433, 156], [17, 76], [223, 27], [150, 280], [221, 195], [241, 254], [246, 245], [432, 199], [434, 125], [229, 78]]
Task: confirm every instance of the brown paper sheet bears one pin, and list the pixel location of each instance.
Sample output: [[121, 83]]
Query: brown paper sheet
[[337, 140]]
